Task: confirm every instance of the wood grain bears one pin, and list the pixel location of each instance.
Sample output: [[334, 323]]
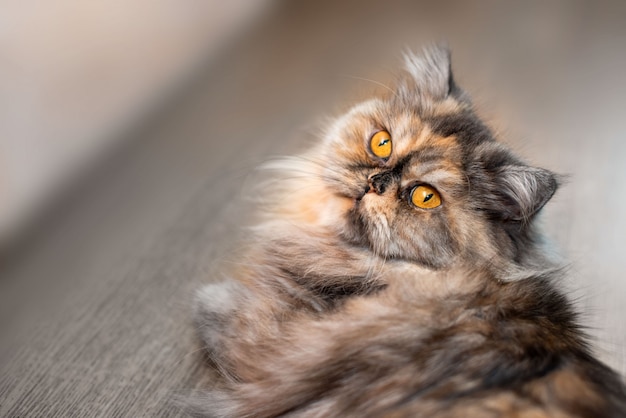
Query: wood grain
[[94, 308]]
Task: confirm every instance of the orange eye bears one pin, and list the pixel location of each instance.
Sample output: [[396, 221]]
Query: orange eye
[[380, 144], [425, 197]]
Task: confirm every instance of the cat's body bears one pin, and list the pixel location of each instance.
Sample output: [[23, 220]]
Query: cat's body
[[395, 272]]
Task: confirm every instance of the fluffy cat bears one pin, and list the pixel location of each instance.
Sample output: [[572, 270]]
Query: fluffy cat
[[396, 272]]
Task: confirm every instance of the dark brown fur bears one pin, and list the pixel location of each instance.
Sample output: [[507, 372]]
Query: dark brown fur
[[352, 302]]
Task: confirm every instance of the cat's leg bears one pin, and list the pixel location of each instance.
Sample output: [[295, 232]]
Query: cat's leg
[[274, 364], [215, 306], [232, 318]]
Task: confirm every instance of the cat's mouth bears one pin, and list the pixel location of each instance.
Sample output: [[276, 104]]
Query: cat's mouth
[[365, 190], [356, 220]]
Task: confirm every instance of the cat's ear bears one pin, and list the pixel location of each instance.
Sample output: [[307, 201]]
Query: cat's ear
[[429, 75], [519, 191]]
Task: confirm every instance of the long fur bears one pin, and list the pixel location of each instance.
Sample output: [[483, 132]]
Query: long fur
[[350, 301]]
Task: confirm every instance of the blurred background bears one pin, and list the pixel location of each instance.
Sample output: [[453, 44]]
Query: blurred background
[[129, 131], [75, 75]]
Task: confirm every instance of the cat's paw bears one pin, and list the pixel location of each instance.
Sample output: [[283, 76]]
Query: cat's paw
[[214, 305]]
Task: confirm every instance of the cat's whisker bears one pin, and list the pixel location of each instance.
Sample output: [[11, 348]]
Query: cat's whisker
[[188, 354], [280, 167], [369, 80], [319, 162], [245, 264]]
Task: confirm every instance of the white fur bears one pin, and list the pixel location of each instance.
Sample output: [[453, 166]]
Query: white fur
[[217, 297], [214, 303]]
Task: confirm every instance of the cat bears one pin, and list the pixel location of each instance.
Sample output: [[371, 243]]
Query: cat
[[396, 271]]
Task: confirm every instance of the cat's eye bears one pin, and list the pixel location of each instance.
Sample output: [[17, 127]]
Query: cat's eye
[[380, 144], [425, 197]]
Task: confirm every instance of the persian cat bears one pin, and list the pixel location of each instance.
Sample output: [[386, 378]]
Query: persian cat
[[396, 271]]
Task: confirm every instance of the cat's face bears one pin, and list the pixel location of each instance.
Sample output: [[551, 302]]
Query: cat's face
[[406, 182], [417, 176]]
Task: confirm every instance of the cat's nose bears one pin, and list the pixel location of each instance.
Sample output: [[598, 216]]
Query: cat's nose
[[380, 182]]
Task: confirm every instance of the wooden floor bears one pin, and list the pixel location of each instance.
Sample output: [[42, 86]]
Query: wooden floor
[[94, 305]]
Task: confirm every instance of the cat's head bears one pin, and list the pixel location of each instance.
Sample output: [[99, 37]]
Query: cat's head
[[416, 175]]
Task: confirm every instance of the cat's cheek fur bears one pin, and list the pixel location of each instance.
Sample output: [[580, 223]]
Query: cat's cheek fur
[[307, 200], [378, 213]]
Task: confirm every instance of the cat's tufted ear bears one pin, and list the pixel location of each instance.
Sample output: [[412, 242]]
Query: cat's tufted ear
[[519, 191], [429, 75]]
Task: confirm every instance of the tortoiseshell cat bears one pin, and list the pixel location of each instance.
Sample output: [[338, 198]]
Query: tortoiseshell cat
[[396, 272]]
